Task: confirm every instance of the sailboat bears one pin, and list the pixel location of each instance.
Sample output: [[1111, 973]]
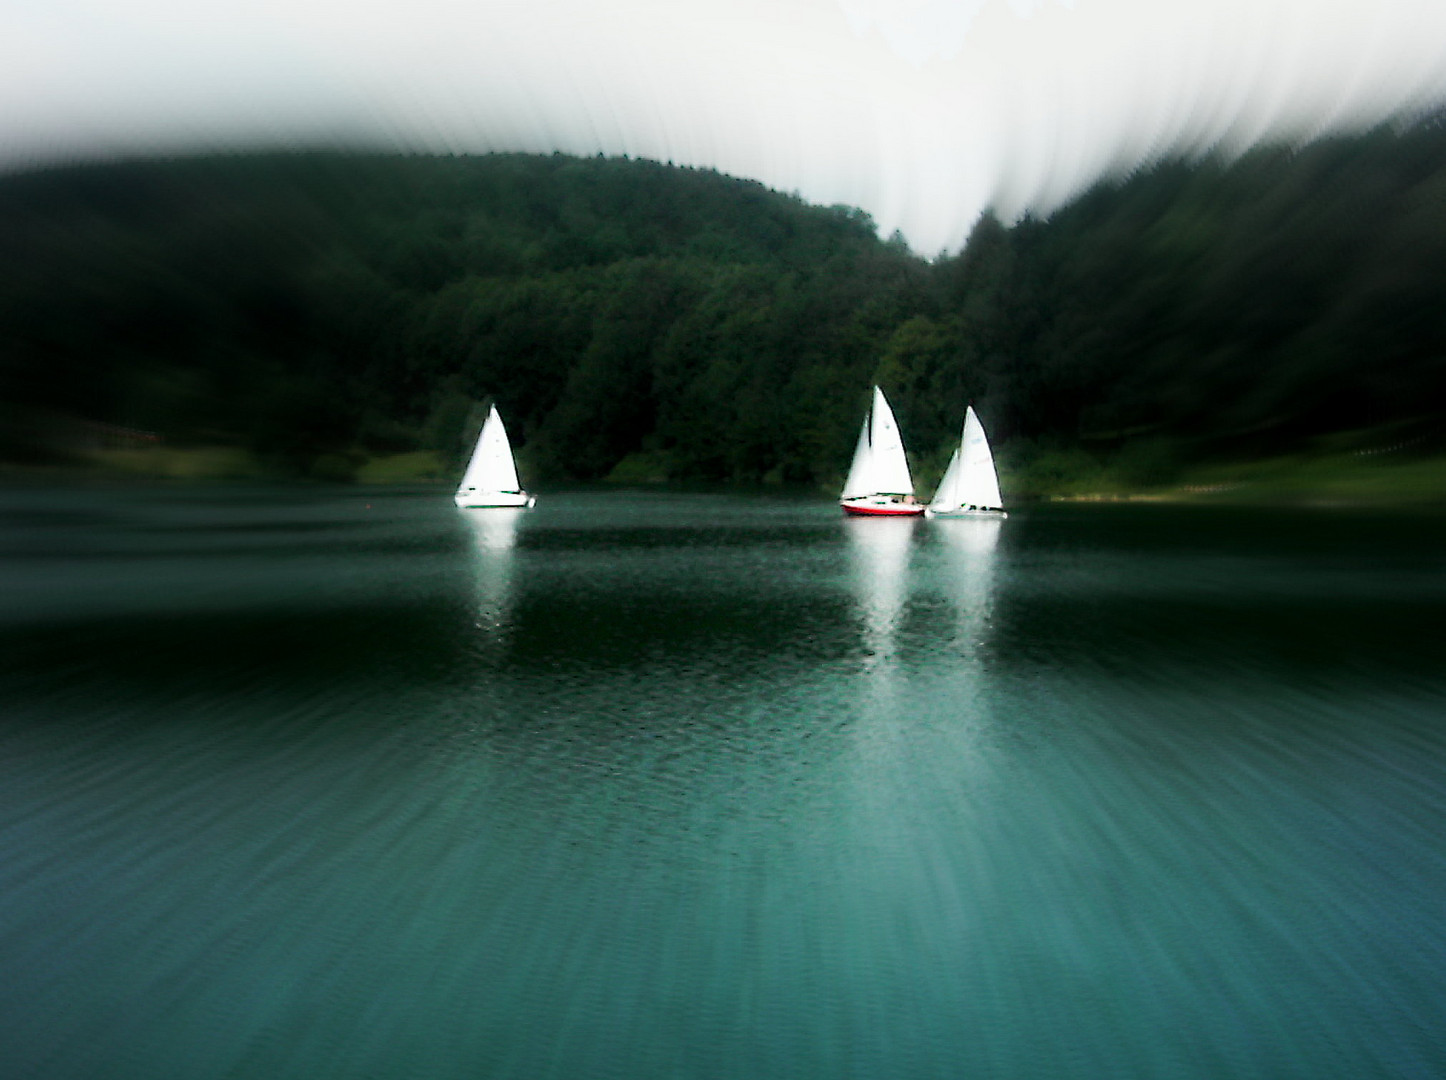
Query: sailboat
[[970, 486], [878, 483], [491, 477]]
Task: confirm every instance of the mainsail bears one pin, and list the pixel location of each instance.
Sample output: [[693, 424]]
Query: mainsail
[[891, 467], [879, 465], [491, 468]]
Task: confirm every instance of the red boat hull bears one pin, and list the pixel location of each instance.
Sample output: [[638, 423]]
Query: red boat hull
[[890, 509]]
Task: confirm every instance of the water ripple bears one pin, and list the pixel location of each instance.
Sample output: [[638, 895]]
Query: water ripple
[[719, 788]]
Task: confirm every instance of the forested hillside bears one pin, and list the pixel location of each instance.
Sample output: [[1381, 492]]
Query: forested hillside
[[318, 310]]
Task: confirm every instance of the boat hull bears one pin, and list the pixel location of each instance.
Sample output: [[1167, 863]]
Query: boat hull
[[880, 506], [962, 513], [494, 500]]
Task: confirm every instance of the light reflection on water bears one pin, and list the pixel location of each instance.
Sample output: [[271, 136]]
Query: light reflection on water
[[494, 533], [880, 548], [352, 784], [969, 579]]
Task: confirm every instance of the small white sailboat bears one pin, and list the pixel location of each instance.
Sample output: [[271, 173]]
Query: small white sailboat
[[970, 485], [878, 483], [491, 477]]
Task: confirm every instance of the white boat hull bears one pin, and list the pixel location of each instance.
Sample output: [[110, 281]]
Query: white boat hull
[[963, 512], [485, 500]]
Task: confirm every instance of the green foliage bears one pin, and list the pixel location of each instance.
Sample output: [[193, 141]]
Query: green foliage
[[315, 306], [1048, 470], [413, 467], [320, 314]]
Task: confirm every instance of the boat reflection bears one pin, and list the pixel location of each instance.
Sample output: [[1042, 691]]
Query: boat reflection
[[494, 536], [879, 550], [966, 573]]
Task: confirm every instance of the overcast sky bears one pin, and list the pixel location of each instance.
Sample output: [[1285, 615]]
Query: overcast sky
[[923, 112]]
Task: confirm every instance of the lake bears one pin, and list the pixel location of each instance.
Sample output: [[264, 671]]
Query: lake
[[348, 783]]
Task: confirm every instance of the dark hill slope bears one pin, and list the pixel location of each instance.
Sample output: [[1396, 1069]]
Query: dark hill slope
[[310, 302], [307, 304]]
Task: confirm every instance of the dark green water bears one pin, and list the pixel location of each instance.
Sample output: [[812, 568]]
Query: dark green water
[[352, 784]]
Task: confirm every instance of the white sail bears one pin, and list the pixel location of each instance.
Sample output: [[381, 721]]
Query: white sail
[[889, 465], [491, 467], [860, 478], [878, 482], [970, 482], [947, 494], [978, 482], [491, 477]]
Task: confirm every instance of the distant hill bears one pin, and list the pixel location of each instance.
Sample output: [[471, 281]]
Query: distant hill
[[327, 307]]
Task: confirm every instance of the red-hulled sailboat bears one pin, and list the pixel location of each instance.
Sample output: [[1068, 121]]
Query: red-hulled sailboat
[[878, 483]]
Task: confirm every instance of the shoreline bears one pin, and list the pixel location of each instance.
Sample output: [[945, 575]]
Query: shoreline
[[1350, 480]]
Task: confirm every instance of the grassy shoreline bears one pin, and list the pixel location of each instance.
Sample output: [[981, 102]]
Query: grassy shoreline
[[1348, 478], [220, 464], [1326, 479]]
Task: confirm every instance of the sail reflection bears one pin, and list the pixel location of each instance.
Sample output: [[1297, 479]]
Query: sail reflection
[[494, 536], [967, 551], [880, 555]]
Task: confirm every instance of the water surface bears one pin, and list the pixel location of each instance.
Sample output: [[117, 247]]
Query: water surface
[[352, 784]]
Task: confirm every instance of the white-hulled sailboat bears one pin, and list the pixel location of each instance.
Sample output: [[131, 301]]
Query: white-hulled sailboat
[[970, 486], [878, 483], [491, 477]]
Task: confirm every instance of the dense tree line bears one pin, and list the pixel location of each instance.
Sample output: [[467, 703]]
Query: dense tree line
[[319, 304], [1241, 308]]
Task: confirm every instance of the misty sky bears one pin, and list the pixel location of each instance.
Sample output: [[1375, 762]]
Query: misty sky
[[923, 112]]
